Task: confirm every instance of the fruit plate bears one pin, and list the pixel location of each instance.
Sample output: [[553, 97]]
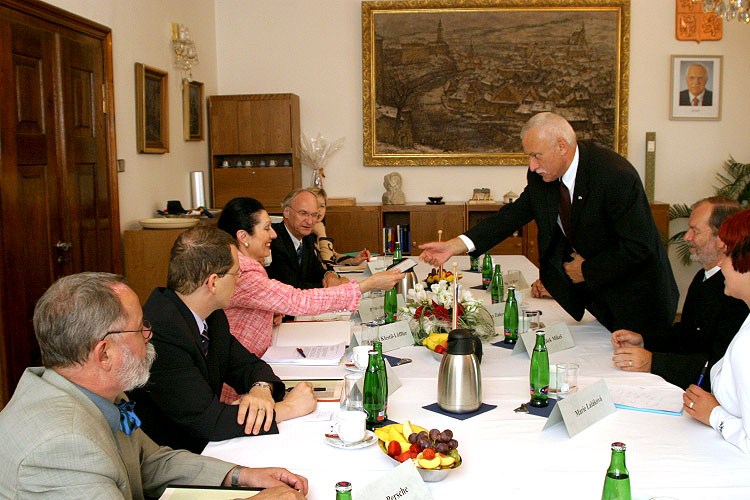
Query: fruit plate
[[438, 356], [169, 223], [428, 475]]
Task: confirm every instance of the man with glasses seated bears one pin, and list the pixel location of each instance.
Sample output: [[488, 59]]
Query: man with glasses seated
[[197, 354], [69, 432], [293, 257]]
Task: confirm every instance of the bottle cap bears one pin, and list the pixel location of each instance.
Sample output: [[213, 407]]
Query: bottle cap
[[618, 446], [541, 332], [343, 486]]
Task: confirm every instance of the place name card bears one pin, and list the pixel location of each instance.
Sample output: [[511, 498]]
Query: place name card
[[497, 311], [557, 338], [400, 483], [375, 266], [393, 381], [582, 409], [395, 335]]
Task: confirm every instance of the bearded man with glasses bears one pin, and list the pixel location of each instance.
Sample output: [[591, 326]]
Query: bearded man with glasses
[[293, 257]]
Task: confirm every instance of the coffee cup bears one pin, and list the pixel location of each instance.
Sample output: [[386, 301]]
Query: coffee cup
[[225, 164], [350, 425], [248, 163], [361, 356], [272, 163], [262, 163]]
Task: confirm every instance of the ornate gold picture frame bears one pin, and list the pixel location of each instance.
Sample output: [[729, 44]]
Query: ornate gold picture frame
[[451, 82], [151, 109]]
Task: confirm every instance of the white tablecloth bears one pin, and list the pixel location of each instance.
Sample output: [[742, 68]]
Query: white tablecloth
[[505, 454]]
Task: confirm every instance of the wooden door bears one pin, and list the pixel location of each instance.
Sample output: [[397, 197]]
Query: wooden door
[[425, 221], [58, 187], [223, 116], [264, 126]]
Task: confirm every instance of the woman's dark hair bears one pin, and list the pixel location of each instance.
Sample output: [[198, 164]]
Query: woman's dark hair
[[240, 213]]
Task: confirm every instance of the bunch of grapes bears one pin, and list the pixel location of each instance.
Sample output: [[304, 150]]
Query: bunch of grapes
[[441, 442]]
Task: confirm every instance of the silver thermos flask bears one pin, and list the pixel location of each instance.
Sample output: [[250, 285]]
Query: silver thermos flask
[[460, 378]]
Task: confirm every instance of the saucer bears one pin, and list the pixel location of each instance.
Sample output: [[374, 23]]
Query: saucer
[[435, 203], [368, 440]]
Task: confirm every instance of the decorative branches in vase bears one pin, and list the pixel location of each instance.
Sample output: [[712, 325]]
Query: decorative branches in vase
[[316, 151]]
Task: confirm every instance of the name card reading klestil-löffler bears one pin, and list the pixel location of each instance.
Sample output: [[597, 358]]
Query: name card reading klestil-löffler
[[557, 338], [400, 483], [582, 409], [395, 335]]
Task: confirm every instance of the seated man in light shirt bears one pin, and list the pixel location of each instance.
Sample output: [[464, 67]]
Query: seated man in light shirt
[[710, 319], [69, 431]]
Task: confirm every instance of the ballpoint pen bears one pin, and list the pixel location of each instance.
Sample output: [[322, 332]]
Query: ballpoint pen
[[301, 352], [703, 374]]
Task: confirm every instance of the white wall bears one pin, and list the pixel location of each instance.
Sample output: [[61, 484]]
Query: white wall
[[142, 32], [313, 49]]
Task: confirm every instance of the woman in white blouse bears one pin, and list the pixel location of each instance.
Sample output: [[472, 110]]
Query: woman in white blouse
[[727, 409]]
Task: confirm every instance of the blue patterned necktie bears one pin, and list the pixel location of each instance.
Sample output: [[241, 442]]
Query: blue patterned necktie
[[299, 254], [129, 421]]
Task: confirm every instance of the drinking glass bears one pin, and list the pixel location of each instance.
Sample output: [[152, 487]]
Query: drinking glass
[[531, 320], [351, 392], [369, 333], [567, 379], [513, 278]]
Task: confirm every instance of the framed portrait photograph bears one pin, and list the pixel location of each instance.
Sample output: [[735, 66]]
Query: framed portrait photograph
[[695, 93], [452, 83], [151, 109], [192, 110]]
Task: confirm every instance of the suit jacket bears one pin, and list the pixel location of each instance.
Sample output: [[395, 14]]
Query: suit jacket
[[58, 445], [710, 319], [284, 266], [628, 280], [180, 405], [685, 98]]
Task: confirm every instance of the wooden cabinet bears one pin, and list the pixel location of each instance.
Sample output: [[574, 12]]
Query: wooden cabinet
[[424, 221], [254, 147], [354, 227]]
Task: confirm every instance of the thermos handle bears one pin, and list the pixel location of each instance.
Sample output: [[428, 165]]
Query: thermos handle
[[477, 347]]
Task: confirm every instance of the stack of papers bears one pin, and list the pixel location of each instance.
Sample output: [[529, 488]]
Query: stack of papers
[[323, 355], [666, 400]]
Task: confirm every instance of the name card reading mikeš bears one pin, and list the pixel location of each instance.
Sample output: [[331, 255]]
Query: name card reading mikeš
[[582, 409], [400, 483], [557, 338], [375, 266], [395, 335]]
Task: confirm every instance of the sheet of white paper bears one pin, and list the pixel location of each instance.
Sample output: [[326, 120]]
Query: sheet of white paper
[[311, 333], [667, 399], [199, 493], [314, 355], [316, 416]]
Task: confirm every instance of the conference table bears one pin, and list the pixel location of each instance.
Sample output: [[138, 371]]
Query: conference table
[[506, 454]]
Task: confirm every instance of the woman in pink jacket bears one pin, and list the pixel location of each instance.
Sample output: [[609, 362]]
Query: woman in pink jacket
[[257, 297]]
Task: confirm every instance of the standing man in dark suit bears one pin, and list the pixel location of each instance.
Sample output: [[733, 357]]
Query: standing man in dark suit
[[293, 257], [696, 93], [599, 247], [710, 318], [197, 354]]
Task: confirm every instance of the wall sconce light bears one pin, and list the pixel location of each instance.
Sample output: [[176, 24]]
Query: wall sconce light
[[186, 56]]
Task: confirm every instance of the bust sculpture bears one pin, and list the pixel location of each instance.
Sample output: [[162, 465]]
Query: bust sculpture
[[393, 194]]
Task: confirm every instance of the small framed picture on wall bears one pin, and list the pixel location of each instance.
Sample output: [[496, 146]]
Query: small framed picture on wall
[[696, 88]]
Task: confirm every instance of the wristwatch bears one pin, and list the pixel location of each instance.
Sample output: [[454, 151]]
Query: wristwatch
[[263, 384], [236, 476]]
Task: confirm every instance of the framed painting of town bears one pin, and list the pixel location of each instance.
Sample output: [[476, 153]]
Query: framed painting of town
[[451, 82]]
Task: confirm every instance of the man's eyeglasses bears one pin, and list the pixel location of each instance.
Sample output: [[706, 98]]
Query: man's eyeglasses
[[305, 214], [145, 330], [238, 274]]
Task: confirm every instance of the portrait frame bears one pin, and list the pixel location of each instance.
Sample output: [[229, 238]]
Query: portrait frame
[[382, 119], [192, 110], [151, 109], [679, 96]]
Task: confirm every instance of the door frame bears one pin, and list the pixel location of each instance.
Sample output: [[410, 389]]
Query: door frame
[[49, 14]]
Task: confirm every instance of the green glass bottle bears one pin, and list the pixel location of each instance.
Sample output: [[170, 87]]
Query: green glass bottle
[[397, 253], [343, 490], [510, 317], [378, 346], [539, 376], [617, 480], [474, 263], [497, 290], [373, 400], [486, 271], [391, 305]]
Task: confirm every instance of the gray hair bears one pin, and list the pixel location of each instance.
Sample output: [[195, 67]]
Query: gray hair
[[700, 65], [550, 126], [74, 314], [292, 195], [722, 207]]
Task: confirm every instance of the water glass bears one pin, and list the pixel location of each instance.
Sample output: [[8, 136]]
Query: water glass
[[369, 333], [567, 379], [351, 392], [531, 320], [513, 278]]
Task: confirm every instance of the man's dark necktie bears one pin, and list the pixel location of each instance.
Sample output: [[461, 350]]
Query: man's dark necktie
[[299, 254], [129, 421], [204, 340], [564, 208]]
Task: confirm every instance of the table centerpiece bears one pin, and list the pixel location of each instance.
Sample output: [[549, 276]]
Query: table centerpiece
[[430, 310]]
